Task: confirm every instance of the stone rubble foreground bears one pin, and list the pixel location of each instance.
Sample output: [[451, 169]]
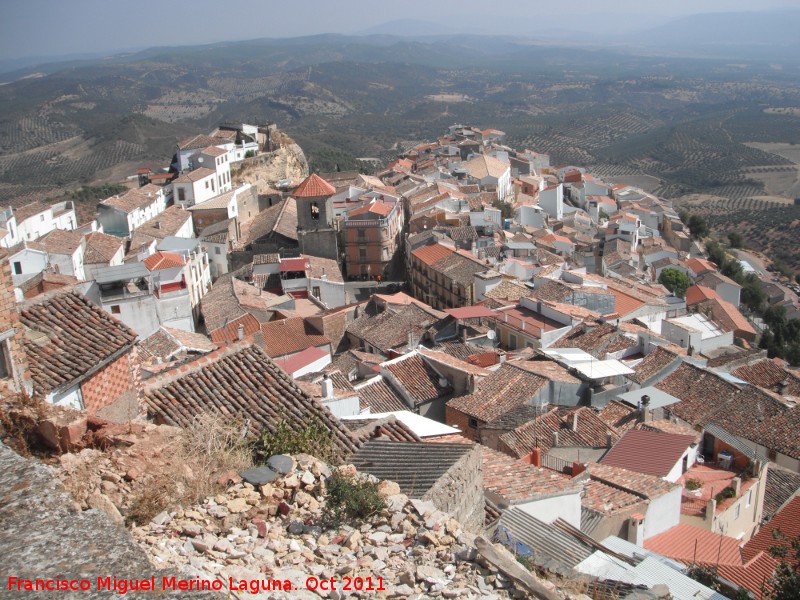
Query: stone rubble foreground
[[272, 532]]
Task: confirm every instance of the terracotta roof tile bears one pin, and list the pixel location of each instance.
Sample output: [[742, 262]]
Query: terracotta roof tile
[[60, 241], [516, 481], [163, 260], [101, 248], [419, 380], [619, 415], [769, 375], [689, 544], [641, 484], [377, 395], [652, 364], [313, 186], [606, 499], [241, 383], [505, 389], [67, 337], [591, 432]]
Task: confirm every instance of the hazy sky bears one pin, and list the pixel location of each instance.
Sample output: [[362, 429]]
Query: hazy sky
[[57, 27]]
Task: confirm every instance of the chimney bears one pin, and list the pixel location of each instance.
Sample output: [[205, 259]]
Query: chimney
[[711, 509], [608, 440], [737, 486], [555, 439], [536, 457], [502, 357], [636, 529], [240, 331], [464, 333], [327, 387], [575, 421], [644, 409]]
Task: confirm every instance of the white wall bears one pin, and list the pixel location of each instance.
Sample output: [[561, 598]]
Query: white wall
[[663, 513], [677, 470], [31, 261], [72, 398], [343, 407], [567, 507], [138, 313]]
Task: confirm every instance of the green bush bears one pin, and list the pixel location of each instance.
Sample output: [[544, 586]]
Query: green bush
[[351, 498], [693, 484], [728, 492], [314, 438]]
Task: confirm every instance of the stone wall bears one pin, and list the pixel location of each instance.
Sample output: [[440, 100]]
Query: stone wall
[[459, 492]]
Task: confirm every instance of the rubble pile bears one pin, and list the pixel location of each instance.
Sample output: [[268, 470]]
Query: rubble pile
[[275, 530]]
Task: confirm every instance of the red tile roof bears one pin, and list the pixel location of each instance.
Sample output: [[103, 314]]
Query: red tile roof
[[700, 265], [313, 186], [229, 332], [293, 363], [381, 209], [288, 336], [640, 484], [432, 253], [650, 452], [778, 531], [698, 293], [517, 481], [771, 376], [163, 260], [689, 544]]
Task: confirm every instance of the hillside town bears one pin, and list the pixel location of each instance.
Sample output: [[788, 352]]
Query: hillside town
[[553, 362]]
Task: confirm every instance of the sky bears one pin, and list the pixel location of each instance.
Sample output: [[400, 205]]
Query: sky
[[66, 27]]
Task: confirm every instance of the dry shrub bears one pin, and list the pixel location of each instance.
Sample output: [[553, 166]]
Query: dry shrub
[[208, 449]]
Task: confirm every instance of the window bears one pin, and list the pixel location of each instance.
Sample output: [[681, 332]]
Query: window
[[315, 211], [217, 250], [181, 195], [749, 497], [315, 291], [736, 512], [17, 268], [41, 218], [473, 423], [115, 310], [361, 234], [362, 254]]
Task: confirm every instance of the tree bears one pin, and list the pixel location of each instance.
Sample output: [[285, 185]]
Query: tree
[[736, 240], [675, 281], [506, 209], [698, 226], [786, 580]]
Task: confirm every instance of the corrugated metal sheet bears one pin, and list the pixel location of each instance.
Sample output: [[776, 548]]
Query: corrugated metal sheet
[[680, 586], [734, 442], [540, 539], [590, 520], [631, 550], [649, 572]]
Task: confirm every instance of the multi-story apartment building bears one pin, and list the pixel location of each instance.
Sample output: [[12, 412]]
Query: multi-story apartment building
[[372, 236], [444, 277]]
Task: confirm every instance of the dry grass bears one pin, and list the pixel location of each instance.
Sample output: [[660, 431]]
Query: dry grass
[[206, 451]]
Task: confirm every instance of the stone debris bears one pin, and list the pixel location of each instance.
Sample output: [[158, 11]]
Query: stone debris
[[276, 531]]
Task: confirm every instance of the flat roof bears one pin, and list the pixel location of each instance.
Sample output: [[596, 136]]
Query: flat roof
[[422, 426], [120, 272], [600, 369], [657, 397]]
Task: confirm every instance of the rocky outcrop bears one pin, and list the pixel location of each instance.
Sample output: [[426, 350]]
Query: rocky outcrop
[[45, 536], [286, 162]]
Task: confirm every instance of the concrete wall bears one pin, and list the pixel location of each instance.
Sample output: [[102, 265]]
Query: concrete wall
[[459, 492], [138, 313]]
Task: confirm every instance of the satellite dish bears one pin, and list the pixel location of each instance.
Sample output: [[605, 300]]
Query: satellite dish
[[200, 159], [491, 334]]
